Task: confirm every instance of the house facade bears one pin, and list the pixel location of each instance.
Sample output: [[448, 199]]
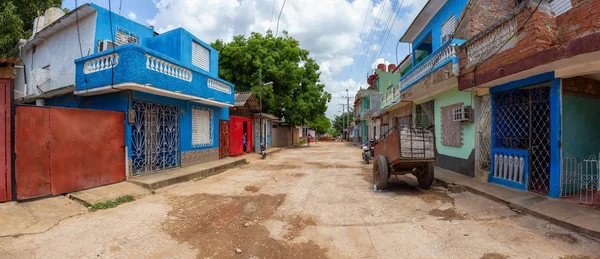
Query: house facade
[[533, 67], [166, 84], [367, 104], [241, 123], [427, 93]]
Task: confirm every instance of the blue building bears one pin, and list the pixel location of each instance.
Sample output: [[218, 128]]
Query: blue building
[[427, 94], [167, 84]]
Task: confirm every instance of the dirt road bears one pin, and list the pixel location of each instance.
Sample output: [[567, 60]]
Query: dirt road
[[312, 202]]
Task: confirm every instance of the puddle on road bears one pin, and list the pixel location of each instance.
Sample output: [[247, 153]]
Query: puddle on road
[[217, 225]]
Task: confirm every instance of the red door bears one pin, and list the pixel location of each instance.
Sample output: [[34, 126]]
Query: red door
[[32, 165], [5, 151]]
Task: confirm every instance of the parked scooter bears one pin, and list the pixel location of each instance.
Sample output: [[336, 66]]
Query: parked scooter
[[263, 151], [368, 151]]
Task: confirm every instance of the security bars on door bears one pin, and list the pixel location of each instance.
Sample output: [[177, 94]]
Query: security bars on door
[[425, 115], [484, 132], [154, 137], [522, 123]]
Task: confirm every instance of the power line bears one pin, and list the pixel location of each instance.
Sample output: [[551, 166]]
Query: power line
[[371, 35], [378, 45], [280, 11], [361, 32], [511, 37], [272, 13], [390, 28]]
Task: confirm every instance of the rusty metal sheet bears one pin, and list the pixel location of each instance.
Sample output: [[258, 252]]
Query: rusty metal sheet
[[32, 170], [4, 145], [389, 147], [88, 148]]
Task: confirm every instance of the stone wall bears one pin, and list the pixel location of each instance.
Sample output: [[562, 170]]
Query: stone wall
[[199, 156]]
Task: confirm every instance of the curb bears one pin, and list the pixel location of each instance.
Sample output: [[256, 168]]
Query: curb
[[521, 209], [192, 176]]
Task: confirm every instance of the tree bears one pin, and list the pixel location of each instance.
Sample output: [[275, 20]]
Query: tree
[[16, 21], [341, 121], [321, 124], [295, 93], [333, 133]]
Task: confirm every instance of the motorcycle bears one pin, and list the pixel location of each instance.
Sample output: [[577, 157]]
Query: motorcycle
[[263, 151], [368, 151]]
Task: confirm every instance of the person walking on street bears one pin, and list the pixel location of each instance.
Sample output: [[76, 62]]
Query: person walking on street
[[308, 139]]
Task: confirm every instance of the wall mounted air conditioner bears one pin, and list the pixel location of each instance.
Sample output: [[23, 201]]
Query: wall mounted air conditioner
[[106, 44], [462, 113]]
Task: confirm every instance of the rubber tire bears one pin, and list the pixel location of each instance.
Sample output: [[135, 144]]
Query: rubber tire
[[426, 178], [380, 173], [366, 160]]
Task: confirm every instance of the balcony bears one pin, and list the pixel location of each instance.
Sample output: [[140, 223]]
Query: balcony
[[433, 62], [135, 67]]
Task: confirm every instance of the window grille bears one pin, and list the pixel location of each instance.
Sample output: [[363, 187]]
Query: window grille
[[123, 37], [448, 29]]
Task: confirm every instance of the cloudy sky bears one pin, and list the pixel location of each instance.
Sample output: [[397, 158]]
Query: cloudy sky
[[329, 29]]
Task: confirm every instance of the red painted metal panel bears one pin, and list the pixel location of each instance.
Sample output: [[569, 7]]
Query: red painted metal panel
[[32, 170], [4, 145], [236, 135], [88, 149], [223, 139]]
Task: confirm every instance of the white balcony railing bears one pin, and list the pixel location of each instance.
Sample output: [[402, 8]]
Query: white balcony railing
[[101, 63], [161, 66], [214, 84], [422, 69], [485, 45], [429, 64]]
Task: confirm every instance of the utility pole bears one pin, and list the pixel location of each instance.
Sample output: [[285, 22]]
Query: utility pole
[[343, 119], [260, 118], [348, 112]]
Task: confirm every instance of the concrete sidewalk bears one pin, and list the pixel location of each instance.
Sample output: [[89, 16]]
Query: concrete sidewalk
[[559, 212]]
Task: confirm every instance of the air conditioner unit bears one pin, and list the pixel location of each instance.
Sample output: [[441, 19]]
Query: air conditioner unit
[[462, 113], [106, 44]]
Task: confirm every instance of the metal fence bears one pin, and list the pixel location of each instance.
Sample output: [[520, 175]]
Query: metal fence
[[484, 132], [579, 177]]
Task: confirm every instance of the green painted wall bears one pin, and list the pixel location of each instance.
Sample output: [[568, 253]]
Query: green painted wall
[[386, 79], [449, 97], [580, 117]]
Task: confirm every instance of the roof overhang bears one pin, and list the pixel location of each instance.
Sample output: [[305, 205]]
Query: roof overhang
[[151, 90], [62, 22], [266, 115], [422, 19]]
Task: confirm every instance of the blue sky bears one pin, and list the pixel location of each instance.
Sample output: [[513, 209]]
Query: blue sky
[[329, 29]]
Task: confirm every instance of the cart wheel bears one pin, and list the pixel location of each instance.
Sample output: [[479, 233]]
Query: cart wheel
[[380, 173], [426, 177]]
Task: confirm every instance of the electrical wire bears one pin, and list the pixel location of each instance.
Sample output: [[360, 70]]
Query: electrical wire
[[361, 32], [371, 35], [112, 37], [511, 37], [280, 11], [272, 13], [386, 27], [395, 15]]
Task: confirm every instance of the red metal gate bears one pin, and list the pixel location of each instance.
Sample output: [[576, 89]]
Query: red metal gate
[[236, 135], [223, 139], [5, 147], [60, 150]]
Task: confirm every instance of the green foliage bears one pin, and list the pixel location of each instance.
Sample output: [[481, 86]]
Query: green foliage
[[332, 132], [341, 121], [321, 124], [16, 21], [112, 203], [296, 92]]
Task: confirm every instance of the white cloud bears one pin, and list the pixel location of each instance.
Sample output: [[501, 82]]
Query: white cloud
[[131, 15], [329, 29]]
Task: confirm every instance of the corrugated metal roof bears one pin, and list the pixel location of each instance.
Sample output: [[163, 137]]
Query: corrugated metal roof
[[9, 60], [241, 99]]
